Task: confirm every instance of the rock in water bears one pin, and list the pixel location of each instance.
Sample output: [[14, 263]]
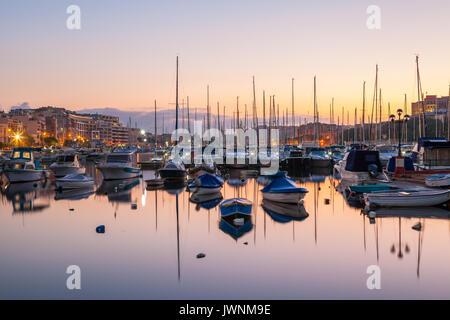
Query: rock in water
[[100, 229], [134, 206], [417, 226], [201, 255]]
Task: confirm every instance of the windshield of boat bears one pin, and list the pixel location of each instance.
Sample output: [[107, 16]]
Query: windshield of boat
[[65, 158], [120, 158], [21, 155], [318, 153]]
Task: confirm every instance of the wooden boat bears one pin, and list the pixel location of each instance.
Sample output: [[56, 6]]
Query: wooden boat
[[283, 189], [74, 181], [438, 180], [235, 207], [407, 198]]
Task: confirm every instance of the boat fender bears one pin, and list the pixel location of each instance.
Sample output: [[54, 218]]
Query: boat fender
[[372, 214], [100, 229]]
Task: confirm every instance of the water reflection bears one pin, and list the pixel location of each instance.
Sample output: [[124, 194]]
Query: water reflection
[[151, 250]]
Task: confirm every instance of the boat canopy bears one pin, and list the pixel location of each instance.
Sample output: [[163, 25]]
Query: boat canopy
[[432, 143], [118, 157], [359, 160], [209, 181], [282, 184], [174, 165]]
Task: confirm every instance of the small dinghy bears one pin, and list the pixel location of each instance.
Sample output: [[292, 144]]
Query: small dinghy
[[206, 183], [407, 198], [438, 180], [283, 189], [74, 181], [236, 207]]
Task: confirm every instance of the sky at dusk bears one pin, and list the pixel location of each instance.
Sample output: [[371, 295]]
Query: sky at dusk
[[124, 55]]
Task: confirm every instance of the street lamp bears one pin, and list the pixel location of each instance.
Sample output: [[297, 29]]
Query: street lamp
[[400, 121]]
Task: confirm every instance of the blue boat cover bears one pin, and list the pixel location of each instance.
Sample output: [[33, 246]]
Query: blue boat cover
[[282, 184], [409, 165], [207, 180], [359, 160]]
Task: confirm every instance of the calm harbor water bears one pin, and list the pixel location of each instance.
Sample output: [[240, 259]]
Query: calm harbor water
[[150, 252]]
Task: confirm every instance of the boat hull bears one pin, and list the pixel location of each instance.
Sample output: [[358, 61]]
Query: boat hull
[[236, 210], [292, 197], [64, 171], [407, 199], [118, 173], [74, 184], [442, 181], [23, 175], [172, 174], [203, 190], [350, 175]]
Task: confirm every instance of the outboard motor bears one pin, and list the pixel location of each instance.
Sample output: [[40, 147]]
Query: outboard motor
[[373, 170]]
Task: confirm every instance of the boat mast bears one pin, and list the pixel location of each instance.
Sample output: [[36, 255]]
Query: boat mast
[[315, 112], [156, 132], [293, 117], [422, 129], [176, 100], [364, 113]]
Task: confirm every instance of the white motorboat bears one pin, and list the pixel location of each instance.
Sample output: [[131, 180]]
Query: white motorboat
[[120, 165], [407, 198], [66, 164], [357, 163], [74, 181], [22, 167], [173, 170]]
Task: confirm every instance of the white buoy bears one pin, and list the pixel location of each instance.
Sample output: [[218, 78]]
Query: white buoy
[[372, 214]]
